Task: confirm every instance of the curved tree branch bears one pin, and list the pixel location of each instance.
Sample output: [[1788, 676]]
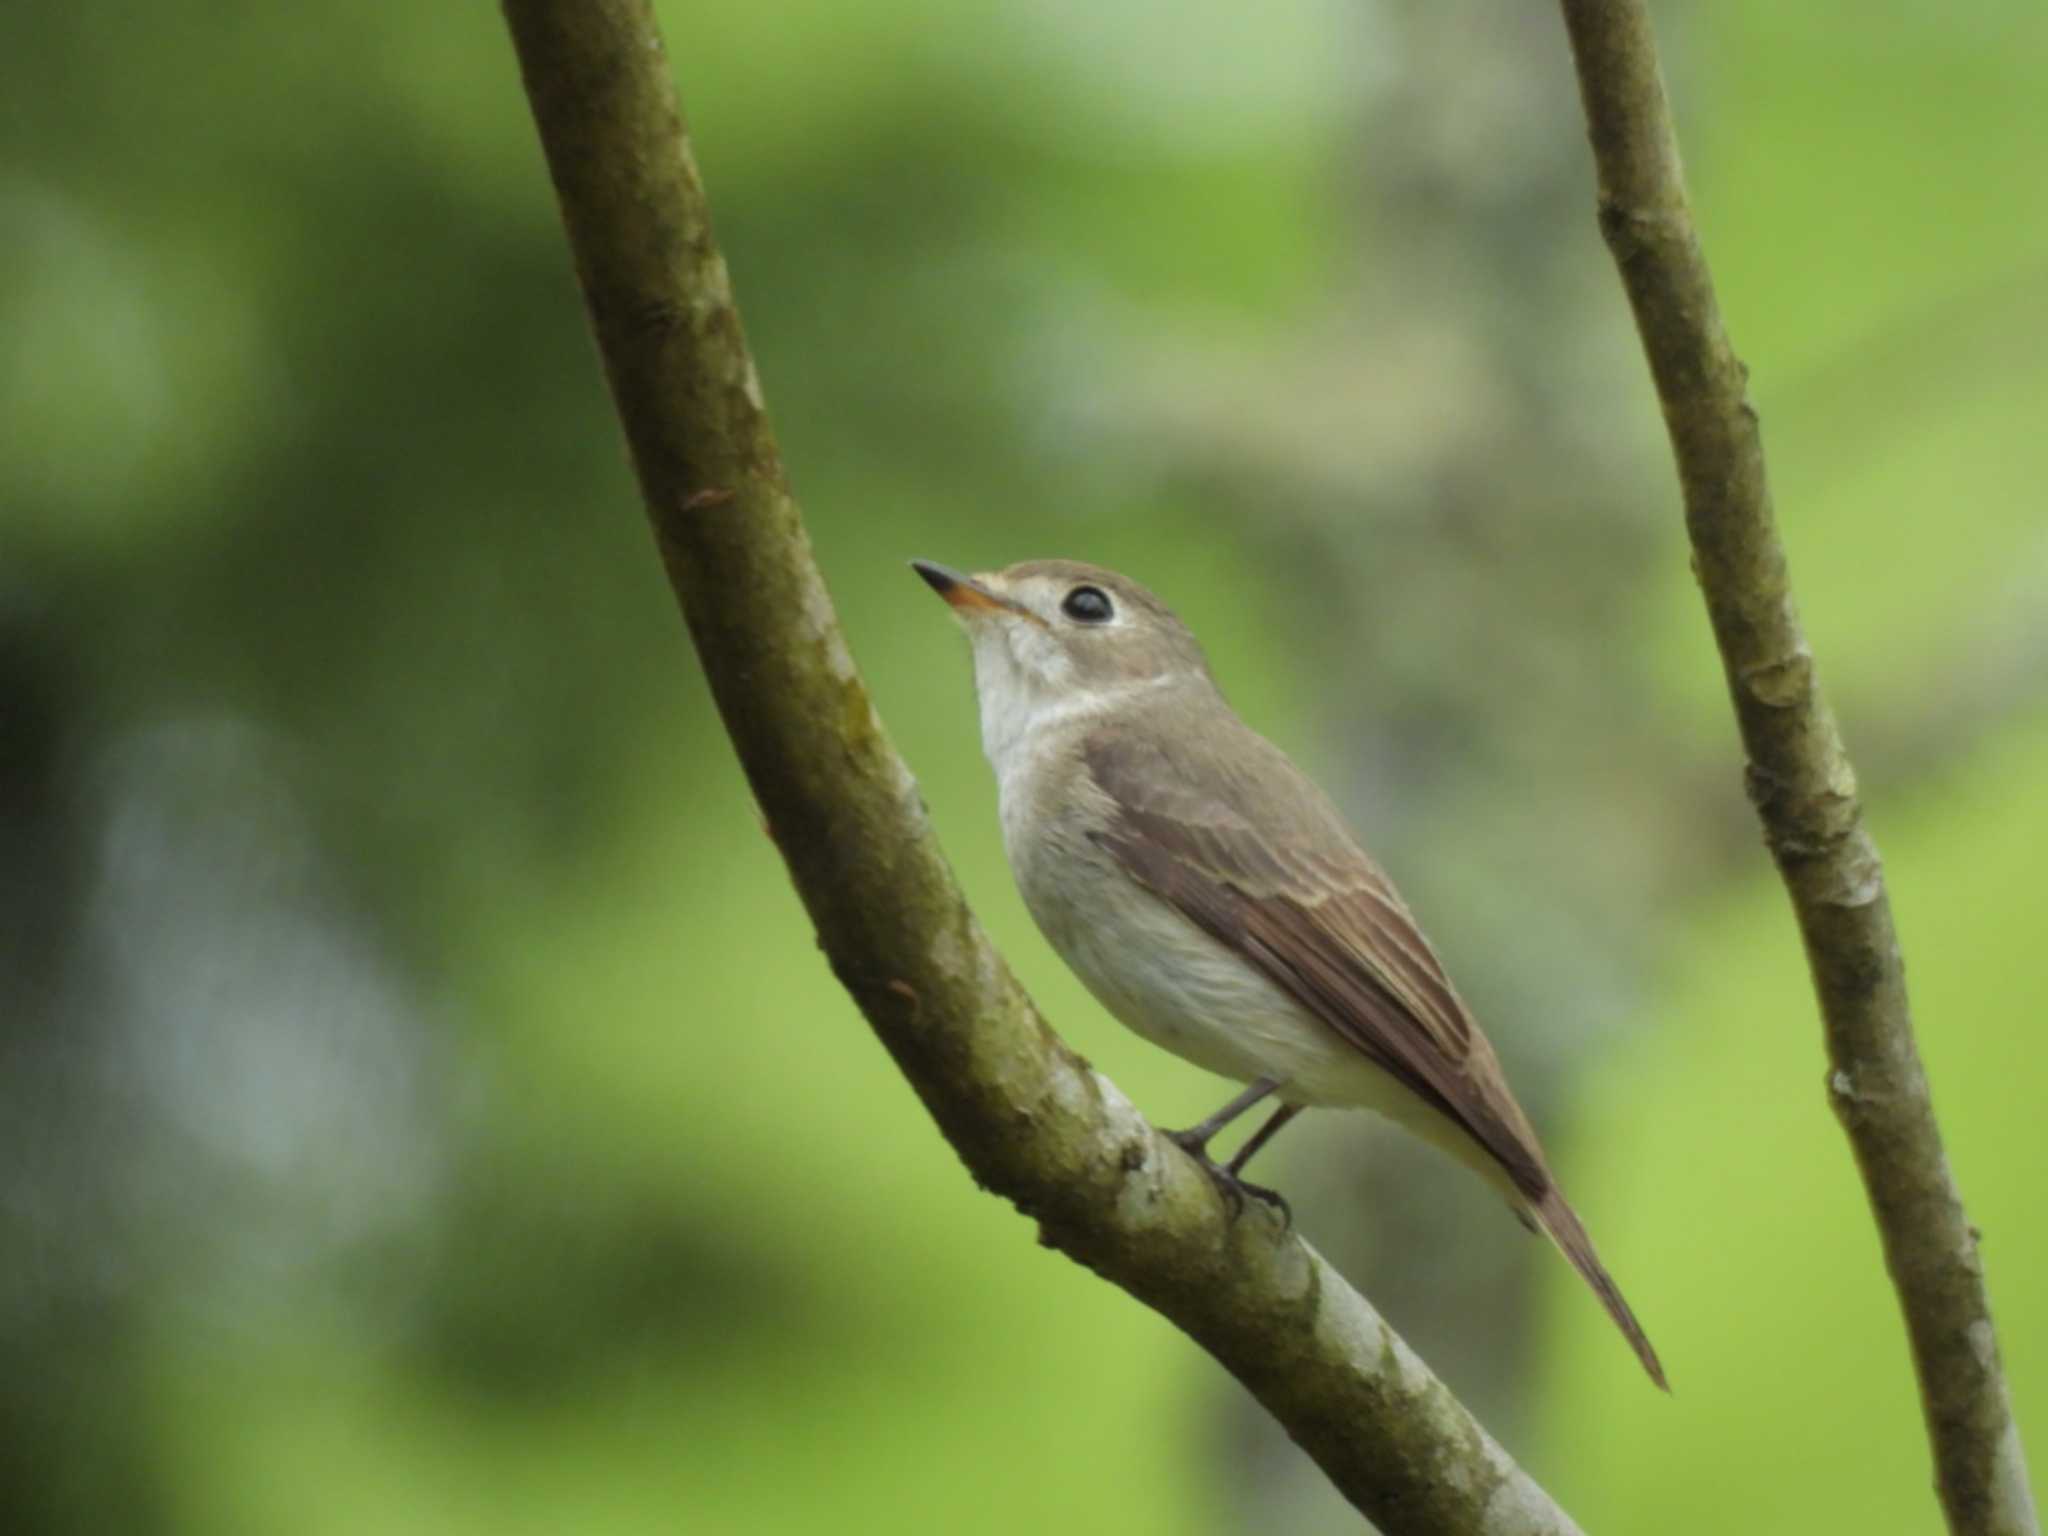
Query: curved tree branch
[[1798, 774], [1031, 1120]]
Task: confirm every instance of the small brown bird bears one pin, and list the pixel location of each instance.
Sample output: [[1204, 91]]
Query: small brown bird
[[1212, 897]]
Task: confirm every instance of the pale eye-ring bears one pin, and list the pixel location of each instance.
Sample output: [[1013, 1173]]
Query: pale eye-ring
[[1088, 605]]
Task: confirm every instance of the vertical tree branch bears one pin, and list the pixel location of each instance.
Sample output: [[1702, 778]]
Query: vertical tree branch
[[1798, 774], [1030, 1119]]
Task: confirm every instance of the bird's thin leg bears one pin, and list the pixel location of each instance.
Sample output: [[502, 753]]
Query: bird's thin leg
[[1195, 1142], [1261, 1136], [1196, 1138]]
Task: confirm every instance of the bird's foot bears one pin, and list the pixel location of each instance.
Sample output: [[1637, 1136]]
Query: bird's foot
[[1263, 1195], [1232, 1188]]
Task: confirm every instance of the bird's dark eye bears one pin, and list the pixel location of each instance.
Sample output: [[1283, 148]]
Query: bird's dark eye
[[1088, 605]]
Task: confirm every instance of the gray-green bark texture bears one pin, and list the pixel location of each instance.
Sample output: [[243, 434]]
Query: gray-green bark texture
[[1030, 1119], [1799, 776]]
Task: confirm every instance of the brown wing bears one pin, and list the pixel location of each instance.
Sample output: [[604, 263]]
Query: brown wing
[[1219, 824], [1241, 842]]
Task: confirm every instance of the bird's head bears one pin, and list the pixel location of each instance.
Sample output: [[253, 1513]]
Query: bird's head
[[1053, 638]]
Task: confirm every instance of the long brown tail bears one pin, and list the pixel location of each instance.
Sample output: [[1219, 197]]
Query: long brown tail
[[1565, 1229]]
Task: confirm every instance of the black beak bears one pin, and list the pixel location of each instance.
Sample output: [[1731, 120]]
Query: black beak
[[964, 593], [939, 578]]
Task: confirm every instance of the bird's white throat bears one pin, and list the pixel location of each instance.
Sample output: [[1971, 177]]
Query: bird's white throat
[[1030, 696]]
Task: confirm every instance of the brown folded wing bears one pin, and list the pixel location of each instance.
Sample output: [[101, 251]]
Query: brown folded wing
[[1276, 877], [1225, 829]]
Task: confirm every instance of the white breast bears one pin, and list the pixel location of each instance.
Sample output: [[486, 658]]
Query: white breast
[[1158, 973]]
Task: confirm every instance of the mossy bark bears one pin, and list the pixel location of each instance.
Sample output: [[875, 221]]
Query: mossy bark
[[1798, 774]]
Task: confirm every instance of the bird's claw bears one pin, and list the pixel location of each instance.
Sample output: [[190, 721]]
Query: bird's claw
[[1232, 1188], [1271, 1197]]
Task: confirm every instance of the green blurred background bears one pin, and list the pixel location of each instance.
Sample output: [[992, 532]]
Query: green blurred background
[[422, 1105]]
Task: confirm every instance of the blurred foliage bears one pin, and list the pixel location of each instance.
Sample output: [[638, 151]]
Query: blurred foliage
[[420, 1105]]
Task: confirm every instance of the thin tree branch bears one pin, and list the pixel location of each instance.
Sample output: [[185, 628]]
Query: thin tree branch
[[1798, 774], [1031, 1120]]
